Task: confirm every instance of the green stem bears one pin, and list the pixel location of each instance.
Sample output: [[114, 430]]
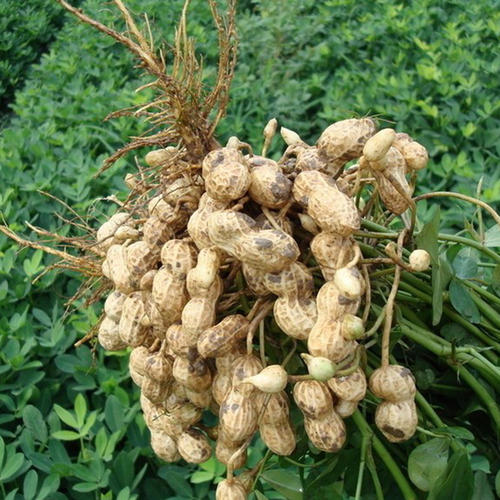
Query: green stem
[[474, 244], [481, 392], [485, 308], [362, 462], [370, 463], [385, 456], [307, 466]]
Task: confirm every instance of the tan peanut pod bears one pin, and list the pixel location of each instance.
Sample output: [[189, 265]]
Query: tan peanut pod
[[269, 187], [198, 315], [109, 335], [393, 383], [332, 252], [230, 489], [238, 416], [242, 368], [159, 157], [377, 146], [397, 421], [332, 305], [137, 359], [131, 326], [156, 232], [247, 478], [255, 280], [155, 391], [283, 223], [296, 279], [221, 385], [345, 408], [312, 159], [394, 201], [158, 207], [279, 437], [277, 408], [414, 153], [114, 304], [326, 340], [225, 450], [179, 342], [330, 208], [226, 227], [344, 140], [201, 278], [146, 282], [349, 387], [158, 367], [124, 233], [115, 268], [136, 377], [105, 234], [155, 317], [202, 399], [193, 446], [178, 257], [182, 187], [195, 374], [186, 414], [313, 398], [327, 433], [164, 447], [295, 316], [218, 340], [219, 156], [224, 363], [176, 398], [198, 222], [227, 181], [169, 295]]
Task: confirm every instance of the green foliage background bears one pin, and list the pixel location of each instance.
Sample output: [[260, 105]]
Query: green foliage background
[[69, 421]]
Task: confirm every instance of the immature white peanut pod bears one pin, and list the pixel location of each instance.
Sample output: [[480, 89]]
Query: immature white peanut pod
[[319, 368], [290, 137], [352, 327], [420, 260], [377, 145], [271, 379], [349, 282]]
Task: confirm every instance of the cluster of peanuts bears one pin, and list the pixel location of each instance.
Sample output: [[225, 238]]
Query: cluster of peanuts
[[277, 225]]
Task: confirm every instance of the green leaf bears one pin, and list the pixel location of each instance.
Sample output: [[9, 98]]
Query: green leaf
[[89, 423], [11, 466], [29, 484], [101, 440], [66, 435], [259, 495], [50, 485], [464, 267], [66, 416], [124, 494], [497, 483], [80, 410], [492, 236], [480, 463], [458, 432], [285, 482], [201, 476], [2, 450], [85, 487], [35, 423], [113, 413], [462, 301], [427, 462], [482, 489], [456, 483]]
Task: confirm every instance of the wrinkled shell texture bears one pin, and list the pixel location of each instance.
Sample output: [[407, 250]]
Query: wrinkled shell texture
[[278, 237]]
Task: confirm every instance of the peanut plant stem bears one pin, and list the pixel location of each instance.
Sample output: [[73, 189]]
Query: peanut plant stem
[[385, 456]]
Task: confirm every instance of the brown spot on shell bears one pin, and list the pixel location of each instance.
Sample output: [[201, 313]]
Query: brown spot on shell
[[398, 433]]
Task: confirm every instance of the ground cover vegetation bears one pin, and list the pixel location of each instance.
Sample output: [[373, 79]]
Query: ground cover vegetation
[[70, 417]]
